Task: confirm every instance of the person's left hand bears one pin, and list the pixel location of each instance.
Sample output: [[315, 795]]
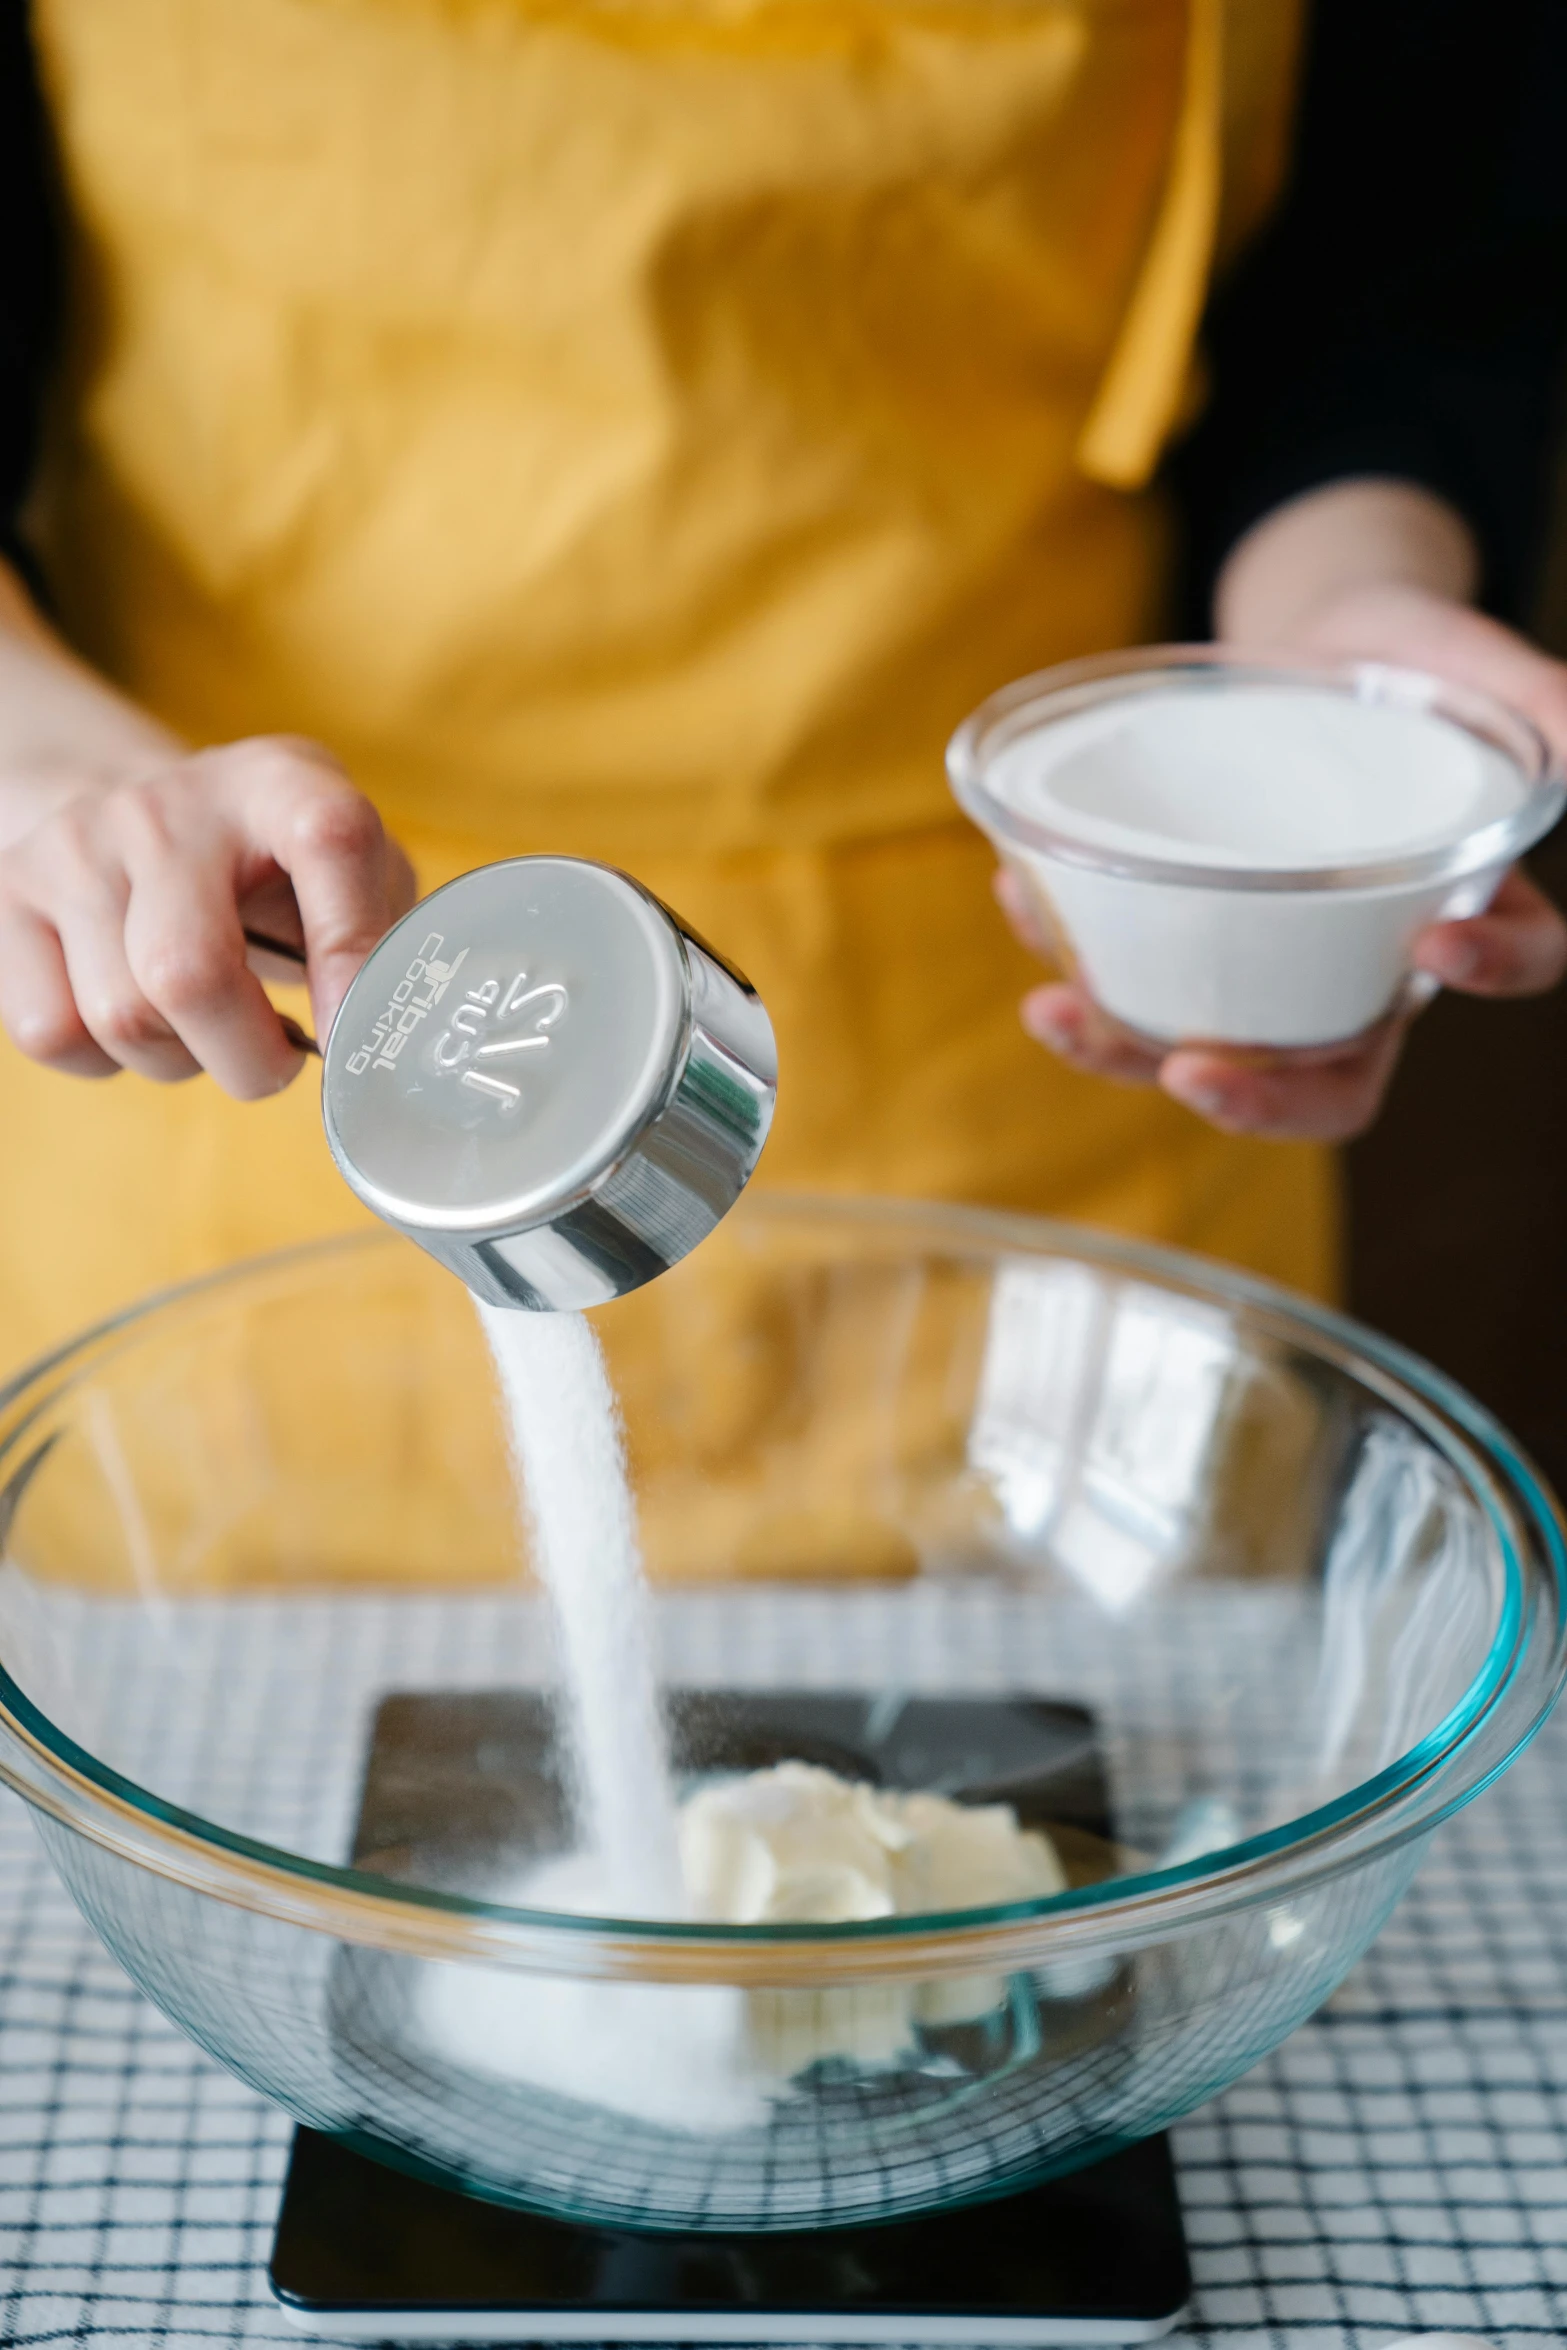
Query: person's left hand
[[1518, 947]]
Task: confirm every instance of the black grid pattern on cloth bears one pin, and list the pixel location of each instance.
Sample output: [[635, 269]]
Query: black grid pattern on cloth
[[1400, 2163], [275, 1696]]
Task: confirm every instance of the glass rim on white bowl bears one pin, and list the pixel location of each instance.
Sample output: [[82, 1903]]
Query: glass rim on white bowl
[[1068, 690]]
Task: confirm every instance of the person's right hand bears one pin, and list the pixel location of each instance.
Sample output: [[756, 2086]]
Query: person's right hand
[[123, 906]]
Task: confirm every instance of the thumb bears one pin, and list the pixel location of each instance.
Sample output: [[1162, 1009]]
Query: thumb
[[300, 809]]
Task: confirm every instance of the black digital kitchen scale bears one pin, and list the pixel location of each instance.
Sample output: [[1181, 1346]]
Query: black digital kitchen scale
[[365, 2251]]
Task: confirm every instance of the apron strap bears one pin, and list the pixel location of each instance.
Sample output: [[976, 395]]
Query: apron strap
[[1143, 389]]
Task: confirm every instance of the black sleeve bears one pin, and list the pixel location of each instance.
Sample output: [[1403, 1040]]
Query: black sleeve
[[29, 268], [1405, 312]]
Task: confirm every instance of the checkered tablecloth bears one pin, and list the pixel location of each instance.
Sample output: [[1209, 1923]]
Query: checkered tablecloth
[[1400, 2163]]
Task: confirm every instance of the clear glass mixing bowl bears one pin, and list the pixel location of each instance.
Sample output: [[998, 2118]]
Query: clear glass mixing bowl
[[1236, 1599]]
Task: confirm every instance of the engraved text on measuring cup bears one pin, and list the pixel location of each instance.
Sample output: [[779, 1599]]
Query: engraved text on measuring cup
[[416, 994], [492, 1029]]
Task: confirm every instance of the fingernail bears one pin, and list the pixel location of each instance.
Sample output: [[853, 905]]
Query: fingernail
[[1203, 1096], [1462, 958], [1052, 1022]]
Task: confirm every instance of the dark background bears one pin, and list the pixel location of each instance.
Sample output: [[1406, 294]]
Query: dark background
[[1458, 1196]]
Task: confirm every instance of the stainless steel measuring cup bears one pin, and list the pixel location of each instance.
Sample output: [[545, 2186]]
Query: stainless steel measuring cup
[[546, 1080]]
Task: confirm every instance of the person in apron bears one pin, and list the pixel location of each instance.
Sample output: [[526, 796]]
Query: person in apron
[[641, 431]]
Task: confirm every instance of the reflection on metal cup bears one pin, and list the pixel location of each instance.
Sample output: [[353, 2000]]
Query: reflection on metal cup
[[549, 1082]]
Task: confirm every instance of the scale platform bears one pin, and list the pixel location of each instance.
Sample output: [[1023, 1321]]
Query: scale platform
[[365, 2251]]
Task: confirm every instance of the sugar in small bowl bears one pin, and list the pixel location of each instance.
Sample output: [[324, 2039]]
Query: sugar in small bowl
[[1243, 852]]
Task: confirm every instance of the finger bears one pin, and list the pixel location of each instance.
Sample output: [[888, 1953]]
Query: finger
[[283, 968], [402, 883], [1517, 947], [272, 912], [1323, 1100], [113, 1007], [1071, 1024], [186, 951], [1476, 650], [71, 876], [300, 809], [37, 1008], [1455, 642]]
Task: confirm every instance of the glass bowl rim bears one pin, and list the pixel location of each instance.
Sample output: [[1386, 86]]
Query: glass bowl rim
[[60, 1778], [1016, 709]]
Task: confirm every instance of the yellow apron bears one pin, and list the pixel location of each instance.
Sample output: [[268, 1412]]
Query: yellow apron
[[644, 427]]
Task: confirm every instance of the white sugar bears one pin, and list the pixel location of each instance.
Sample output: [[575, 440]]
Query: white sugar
[[792, 1844], [570, 1459], [1271, 775]]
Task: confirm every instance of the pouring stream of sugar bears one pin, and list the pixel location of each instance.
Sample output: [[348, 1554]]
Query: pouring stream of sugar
[[566, 1442], [789, 1844], [674, 2056]]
